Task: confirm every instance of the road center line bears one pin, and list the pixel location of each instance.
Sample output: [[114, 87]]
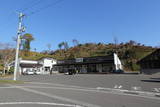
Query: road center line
[[38, 103]]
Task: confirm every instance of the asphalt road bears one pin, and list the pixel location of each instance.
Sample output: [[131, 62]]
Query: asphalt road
[[81, 90], [144, 82]]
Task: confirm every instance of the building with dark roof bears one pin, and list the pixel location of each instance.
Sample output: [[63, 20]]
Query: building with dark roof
[[101, 64], [151, 63]]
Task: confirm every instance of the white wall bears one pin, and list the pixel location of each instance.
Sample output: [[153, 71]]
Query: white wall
[[47, 62], [117, 62], [28, 62]]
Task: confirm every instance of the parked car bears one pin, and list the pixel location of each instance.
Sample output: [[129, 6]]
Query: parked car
[[66, 73], [118, 71], [71, 71], [29, 72], [37, 72]]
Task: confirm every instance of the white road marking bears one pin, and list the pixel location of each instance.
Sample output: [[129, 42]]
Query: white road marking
[[55, 84], [143, 94], [80, 103], [39, 103], [116, 86], [156, 90], [6, 87], [136, 88], [148, 95], [120, 86]]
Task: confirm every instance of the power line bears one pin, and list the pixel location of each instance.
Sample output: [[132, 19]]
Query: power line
[[29, 5], [8, 20], [45, 7], [32, 5]]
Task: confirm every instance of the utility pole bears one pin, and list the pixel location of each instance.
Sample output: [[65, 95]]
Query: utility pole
[[21, 29]]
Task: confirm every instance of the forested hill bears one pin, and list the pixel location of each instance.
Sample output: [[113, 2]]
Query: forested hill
[[129, 52]]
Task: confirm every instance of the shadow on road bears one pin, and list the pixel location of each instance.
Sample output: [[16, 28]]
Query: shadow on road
[[151, 80], [155, 78]]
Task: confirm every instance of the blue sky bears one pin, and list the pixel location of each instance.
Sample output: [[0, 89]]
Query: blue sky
[[84, 20]]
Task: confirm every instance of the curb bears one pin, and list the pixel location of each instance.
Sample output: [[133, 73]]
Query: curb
[[151, 94], [131, 92]]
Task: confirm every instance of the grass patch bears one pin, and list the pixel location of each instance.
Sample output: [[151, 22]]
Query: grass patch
[[10, 82], [7, 75]]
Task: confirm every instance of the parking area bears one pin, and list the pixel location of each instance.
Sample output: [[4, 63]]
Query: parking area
[[82, 90], [126, 81]]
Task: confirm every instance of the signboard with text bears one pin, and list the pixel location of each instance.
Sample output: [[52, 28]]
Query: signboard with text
[[79, 59]]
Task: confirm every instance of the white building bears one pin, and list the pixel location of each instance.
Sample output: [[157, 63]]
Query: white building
[[28, 65], [47, 65], [43, 65]]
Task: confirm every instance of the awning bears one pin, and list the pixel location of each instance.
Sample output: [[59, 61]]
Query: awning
[[30, 65]]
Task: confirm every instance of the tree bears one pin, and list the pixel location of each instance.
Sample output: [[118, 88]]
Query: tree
[[66, 46], [49, 47], [35, 49], [27, 41], [132, 43], [75, 42], [60, 45], [115, 39], [139, 44], [7, 54]]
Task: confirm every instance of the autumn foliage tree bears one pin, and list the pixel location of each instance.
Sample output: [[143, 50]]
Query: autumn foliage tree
[[26, 42]]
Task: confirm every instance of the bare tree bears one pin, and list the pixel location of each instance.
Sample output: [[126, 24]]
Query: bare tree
[[7, 54], [66, 46], [115, 39], [49, 47]]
